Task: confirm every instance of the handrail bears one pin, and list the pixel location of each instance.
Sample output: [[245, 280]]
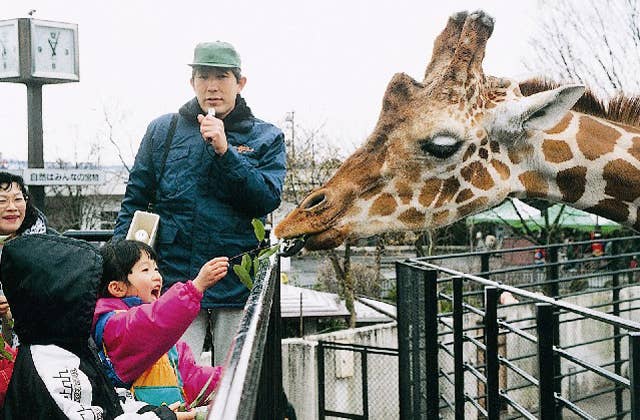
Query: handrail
[[237, 394]]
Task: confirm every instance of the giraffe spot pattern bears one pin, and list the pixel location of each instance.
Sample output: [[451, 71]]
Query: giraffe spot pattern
[[611, 209], [534, 184], [517, 155], [372, 192], [464, 195], [405, 192], [621, 179], [634, 150], [477, 204], [483, 153], [412, 217], [562, 125], [494, 146], [477, 175], [572, 183], [384, 205], [502, 169], [449, 188], [441, 218], [556, 151], [469, 152], [591, 129], [429, 191]]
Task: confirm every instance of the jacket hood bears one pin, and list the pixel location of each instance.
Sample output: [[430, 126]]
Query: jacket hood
[[52, 283]]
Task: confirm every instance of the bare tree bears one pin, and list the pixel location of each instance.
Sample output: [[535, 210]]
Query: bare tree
[[594, 42]]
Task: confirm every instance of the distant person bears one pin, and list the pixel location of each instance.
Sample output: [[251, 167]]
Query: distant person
[[219, 168], [137, 329], [52, 284], [480, 243]]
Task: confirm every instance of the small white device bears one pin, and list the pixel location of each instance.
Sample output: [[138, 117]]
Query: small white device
[[144, 227]]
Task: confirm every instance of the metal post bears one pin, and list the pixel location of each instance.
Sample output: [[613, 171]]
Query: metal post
[[458, 349], [546, 366], [35, 153], [365, 385], [617, 368], [491, 356], [484, 265], [431, 344], [634, 374], [321, 376]]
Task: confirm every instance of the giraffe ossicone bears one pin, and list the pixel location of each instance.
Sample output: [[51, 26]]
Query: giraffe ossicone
[[460, 142]]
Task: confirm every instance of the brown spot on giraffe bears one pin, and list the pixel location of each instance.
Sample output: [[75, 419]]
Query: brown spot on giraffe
[[483, 153], [441, 217], [372, 192], [621, 180], [473, 206], [502, 169], [464, 195], [405, 192], [517, 155], [494, 146], [534, 184], [612, 209], [429, 191], [634, 150], [562, 125], [477, 175], [383, 205], [469, 152], [412, 217], [449, 189], [591, 129], [556, 151], [572, 183]]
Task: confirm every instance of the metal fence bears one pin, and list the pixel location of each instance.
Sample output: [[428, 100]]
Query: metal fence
[[354, 381], [520, 340], [251, 385]]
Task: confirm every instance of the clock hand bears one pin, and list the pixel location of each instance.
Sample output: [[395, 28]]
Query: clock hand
[[53, 45]]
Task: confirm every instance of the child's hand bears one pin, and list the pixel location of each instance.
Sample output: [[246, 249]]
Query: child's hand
[[182, 415], [211, 273]]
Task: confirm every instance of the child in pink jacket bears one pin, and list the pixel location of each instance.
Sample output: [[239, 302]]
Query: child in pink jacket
[[137, 329]]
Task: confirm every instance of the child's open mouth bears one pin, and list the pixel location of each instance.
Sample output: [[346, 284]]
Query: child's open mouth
[[156, 293]]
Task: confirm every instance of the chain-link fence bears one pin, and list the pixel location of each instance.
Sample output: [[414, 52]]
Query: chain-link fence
[[357, 382]]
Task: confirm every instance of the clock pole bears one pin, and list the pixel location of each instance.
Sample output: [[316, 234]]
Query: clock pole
[[37, 52], [35, 152]]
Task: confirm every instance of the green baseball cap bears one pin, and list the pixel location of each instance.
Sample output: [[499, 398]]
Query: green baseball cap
[[215, 54]]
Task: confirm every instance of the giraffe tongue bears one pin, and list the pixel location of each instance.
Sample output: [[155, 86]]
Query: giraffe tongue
[[292, 246]]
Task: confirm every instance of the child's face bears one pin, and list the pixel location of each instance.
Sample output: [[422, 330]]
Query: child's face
[[145, 280]]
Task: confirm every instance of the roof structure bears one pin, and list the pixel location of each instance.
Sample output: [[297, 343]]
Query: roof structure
[[327, 305]]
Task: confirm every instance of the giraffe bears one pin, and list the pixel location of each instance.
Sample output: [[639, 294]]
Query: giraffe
[[460, 142]]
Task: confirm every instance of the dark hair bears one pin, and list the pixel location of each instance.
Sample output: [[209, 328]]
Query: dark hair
[[237, 73], [118, 259], [31, 213]]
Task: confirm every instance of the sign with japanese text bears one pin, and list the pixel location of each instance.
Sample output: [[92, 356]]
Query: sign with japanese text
[[33, 176]]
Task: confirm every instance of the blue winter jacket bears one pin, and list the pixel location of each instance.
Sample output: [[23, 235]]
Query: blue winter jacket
[[205, 201]]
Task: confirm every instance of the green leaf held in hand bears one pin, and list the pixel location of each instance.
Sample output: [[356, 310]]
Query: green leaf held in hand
[[258, 229], [243, 274]]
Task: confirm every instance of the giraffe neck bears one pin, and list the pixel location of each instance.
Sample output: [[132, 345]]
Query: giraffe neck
[[586, 162]]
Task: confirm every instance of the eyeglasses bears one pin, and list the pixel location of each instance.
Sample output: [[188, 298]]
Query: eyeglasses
[[18, 201]]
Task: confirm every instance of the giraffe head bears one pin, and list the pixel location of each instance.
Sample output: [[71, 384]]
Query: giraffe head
[[442, 148]]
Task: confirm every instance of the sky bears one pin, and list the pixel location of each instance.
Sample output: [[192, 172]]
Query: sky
[[328, 61]]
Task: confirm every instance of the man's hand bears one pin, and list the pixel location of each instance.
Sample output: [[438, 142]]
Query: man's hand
[[212, 130], [211, 272]]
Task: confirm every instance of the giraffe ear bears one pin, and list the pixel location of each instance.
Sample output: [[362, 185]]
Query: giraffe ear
[[541, 111], [546, 109]]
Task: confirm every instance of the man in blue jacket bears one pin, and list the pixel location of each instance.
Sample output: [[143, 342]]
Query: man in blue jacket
[[207, 178]]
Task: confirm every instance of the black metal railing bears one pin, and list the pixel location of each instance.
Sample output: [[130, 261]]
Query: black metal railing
[[539, 355], [251, 385]]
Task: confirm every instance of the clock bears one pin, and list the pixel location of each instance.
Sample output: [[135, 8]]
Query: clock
[[38, 51], [9, 58], [54, 50]]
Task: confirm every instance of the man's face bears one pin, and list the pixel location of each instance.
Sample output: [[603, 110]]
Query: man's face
[[216, 88]]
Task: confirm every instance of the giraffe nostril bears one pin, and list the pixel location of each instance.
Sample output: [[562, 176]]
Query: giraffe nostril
[[312, 201]]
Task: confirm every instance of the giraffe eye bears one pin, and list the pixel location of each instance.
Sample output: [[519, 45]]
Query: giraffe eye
[[441, 146]]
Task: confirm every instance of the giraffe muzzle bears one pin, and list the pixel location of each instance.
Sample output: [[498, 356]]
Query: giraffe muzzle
[[292, 246]]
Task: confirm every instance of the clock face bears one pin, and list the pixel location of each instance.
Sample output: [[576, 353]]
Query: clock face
[[54, 50], [9, 62]]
